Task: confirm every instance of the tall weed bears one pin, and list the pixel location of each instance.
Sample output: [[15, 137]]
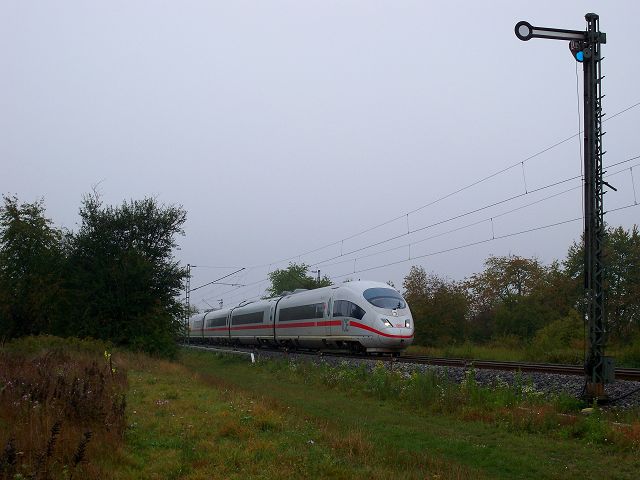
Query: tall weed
[[55, 395], [516, 406]]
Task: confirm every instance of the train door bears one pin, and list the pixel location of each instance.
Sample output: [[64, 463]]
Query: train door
[[229, 325], [272, 320], [327, 316], [333, 328], [323, 327], [339, 318]]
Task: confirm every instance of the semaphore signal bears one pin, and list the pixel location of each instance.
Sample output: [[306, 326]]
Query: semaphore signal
[[585, 47]]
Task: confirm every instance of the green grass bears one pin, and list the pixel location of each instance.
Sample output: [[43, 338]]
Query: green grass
[[187, 423], [501, 351], [513, 351], [213, 416], [474, 442]]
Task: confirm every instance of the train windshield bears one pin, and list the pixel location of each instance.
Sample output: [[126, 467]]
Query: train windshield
[[384, 298]]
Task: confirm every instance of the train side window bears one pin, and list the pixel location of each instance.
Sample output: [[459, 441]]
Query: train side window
[[245, 318], [356, 312], [302, 312], [216, 322], [344, 308], [337, 308]]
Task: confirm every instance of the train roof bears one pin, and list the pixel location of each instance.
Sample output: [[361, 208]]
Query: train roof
[[358, 286]]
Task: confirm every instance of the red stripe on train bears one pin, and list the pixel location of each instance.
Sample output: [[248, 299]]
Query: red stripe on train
[[296, 325], [330, 323], [366, 327], [252, 327]]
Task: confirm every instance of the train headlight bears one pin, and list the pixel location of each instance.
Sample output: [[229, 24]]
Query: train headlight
[[407, 324], [386, 322]]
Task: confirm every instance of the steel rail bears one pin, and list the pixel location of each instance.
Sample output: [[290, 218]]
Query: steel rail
[[620, 373], [632, 374]]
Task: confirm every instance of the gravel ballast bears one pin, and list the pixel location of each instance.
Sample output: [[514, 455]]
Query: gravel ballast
[[622, 393]]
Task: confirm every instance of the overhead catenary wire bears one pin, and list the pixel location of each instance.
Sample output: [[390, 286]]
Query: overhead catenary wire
[[447, 220], [623, 161], [442, 222], [457, 229], [479, 242], [444, 197], [216, 267], [460, 247], [464, 214], [448, 250], [244, 295], [433, 202], [242, 275], [216, 280], [463, 227]]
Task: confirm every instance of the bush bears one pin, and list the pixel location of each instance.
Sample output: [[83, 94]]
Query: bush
[[58, 398], [41, 344], [629, 356], [116, 278], [561, 341]]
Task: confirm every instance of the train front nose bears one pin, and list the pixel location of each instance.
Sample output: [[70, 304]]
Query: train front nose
[[397, 331], [392, 317]]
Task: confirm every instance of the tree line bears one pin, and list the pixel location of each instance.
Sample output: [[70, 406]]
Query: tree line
[[524, 299], [514, 299], [115, 278]]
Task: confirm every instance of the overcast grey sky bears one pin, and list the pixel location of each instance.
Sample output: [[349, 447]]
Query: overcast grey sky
[[286, 126]]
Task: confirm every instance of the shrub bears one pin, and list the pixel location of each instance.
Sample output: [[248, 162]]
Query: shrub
[[560, 341], [55, 395], [630, 355]]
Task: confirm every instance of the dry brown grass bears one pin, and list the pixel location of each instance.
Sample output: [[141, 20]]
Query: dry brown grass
[[628, 434], [56, 409]]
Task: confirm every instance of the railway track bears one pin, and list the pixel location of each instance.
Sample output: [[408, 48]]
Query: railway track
[[632, 374], [620, 373]]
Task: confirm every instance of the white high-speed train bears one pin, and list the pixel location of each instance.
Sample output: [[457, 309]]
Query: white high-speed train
[[359, 316]]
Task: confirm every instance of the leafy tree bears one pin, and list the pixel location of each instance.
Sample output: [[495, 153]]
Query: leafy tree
[[124, 276], [31, 261], [621, 257], [293, 277], [522, 316], [512, 293], [562, 340], [439, 307], [504, 278]]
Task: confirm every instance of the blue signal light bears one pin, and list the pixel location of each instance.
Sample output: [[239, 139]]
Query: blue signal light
[[577, 50]]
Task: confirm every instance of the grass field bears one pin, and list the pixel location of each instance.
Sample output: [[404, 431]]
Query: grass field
[[62, 402], [210, 416], [216, 417], [513, 350]]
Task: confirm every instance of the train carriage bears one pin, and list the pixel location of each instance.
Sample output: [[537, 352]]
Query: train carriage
[[251, 324], [359, 316], [216, 326], [302, 318]]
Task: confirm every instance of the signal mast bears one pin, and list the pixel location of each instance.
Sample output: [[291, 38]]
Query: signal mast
[[585, 47]]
